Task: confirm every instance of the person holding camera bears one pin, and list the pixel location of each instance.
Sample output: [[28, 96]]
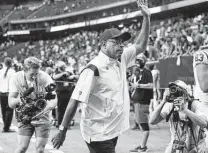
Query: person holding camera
[[5, 76], [65, 86], [183, 114], [102, 89], [31, 93]]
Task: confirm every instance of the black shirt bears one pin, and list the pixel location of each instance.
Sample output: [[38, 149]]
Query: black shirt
[[64, 84], [144, 95]]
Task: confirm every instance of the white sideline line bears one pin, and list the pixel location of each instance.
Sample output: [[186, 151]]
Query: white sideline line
[[48, 147]]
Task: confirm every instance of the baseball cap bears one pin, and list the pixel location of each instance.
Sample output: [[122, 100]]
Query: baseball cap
[[114, 33], [180, 84], [8, 61], [142, 57]]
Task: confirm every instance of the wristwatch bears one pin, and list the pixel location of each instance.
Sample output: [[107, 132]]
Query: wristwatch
[[62, 128]]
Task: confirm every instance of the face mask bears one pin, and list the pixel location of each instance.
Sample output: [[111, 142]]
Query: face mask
[[141, 64]]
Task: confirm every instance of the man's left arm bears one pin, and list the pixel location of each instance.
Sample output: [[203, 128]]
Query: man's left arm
[[142, 39], [197, 119]]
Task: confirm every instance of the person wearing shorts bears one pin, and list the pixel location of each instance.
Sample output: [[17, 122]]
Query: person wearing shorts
[[144, 90], [20, 83]]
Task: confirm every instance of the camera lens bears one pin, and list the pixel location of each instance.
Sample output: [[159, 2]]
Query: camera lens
[[40, 104], [173, 89]]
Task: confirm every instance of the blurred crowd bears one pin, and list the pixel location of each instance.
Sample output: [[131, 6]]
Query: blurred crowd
[[169, 38], [48, 8]]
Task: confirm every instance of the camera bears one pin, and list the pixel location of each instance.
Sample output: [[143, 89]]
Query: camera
[[175, 92], [30, 107], [178, 146]]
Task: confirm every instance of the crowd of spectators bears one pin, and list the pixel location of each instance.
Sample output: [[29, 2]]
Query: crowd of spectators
[[49, 8], [171, 38], [5, 44]]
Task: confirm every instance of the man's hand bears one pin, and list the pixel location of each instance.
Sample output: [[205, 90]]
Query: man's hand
[[143, 5], [180, 104], [134, 85], [166, 93], [58, 139]]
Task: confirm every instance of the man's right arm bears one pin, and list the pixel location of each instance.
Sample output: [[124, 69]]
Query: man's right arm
[[13, 99], [155, 116], [160, 112], [81, 93], [70, 112]]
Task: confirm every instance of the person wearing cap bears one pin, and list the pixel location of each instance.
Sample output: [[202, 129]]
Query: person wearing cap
[[5, 76], [142, 98], [31, 77], [64, 88], [102, 89], [185, 120]]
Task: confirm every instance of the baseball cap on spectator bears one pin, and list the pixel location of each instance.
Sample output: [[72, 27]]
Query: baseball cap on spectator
[[142, 57], [7, 61], [114, 33]]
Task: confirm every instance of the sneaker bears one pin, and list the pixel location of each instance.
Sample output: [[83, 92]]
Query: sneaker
[[144, 149], [139, 149], [8, 130], [135, 128], [136, 149]]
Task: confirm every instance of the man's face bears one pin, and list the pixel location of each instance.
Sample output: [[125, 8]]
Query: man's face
[[31, 74], [115, 48], [140, 63]]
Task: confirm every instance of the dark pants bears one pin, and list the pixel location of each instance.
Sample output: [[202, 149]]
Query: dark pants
[[7, 112], [63, 100], [107, 146]]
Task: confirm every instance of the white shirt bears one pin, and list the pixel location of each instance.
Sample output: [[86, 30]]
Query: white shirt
[[195, 107], [4, 82], [200, 57], [19, 84], [105, 98]]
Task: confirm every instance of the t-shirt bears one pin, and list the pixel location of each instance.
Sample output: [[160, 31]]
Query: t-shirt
[[19, 84], [144, 95], [182, 128]]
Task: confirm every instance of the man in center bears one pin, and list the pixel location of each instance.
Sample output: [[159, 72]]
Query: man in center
[[102, 89]]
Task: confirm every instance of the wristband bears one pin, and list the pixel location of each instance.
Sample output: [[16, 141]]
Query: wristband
[[62, 128]]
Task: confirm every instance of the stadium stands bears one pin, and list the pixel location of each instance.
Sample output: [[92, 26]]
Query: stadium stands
[[172, 37]]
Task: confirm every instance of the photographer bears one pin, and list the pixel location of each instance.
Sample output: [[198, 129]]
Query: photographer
[[182, 113], [65, 86], [31, 94]]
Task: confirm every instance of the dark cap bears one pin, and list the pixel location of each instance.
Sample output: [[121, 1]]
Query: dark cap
[[114, 33], [8, 61], [142, 57]]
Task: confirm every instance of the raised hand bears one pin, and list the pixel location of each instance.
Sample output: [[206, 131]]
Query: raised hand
[[143, 6], [166, 94]]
